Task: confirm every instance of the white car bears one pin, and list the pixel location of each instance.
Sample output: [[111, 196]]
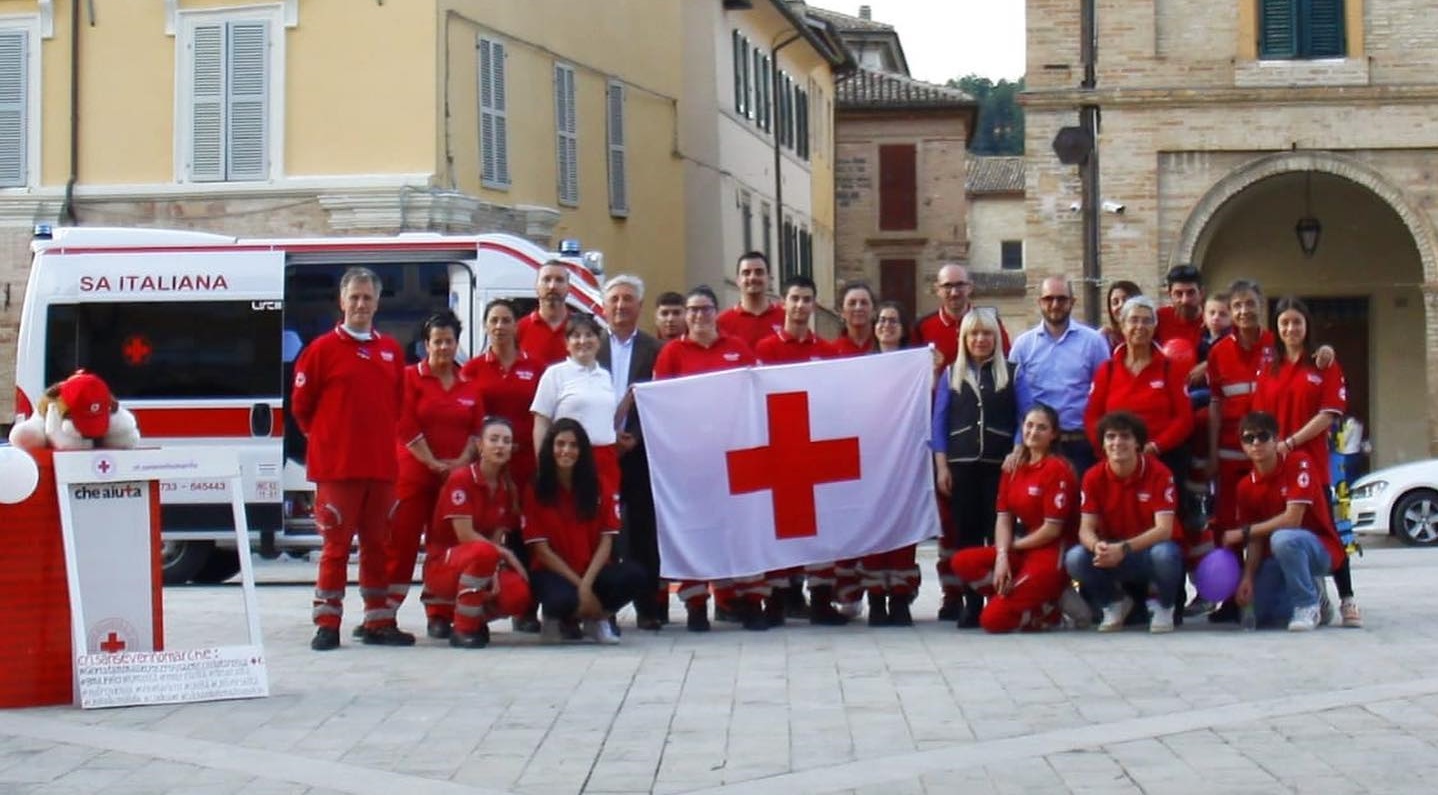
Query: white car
[[1400, 500]]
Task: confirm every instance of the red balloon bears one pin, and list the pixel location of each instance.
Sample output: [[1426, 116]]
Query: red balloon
[[1181, 353]]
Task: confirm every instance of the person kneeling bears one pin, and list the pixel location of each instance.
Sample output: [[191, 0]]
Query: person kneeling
[[569, 525], [1023, 573], [1291, 543], [1126, 527]]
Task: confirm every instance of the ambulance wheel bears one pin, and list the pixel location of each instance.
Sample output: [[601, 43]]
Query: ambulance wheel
[[182, 560], [222, 565], [1415, 518]]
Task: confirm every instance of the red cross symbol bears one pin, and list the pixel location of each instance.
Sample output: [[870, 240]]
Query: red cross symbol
[[792, 464], [136, 351], [112, 644], [104, 467]]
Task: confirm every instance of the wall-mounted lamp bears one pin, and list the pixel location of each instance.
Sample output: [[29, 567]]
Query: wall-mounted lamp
[[1308, 228]]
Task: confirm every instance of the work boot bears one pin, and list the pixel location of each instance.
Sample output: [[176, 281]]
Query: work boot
[[878, 609], [899, 615], [388, 636], [325, 639], [973, 609], [439, 628], [953, 607], [821, 608], [698, 618], [774, 608], [466, 640], [751, 615]]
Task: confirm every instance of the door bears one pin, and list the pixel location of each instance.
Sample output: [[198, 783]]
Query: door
[[897, 283], [1343, 324]]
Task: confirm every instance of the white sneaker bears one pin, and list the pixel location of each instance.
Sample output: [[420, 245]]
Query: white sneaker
[[1305, 619], [1077, 613], [604, 633], [1352, 616], [1160, 618], [1115, 614]]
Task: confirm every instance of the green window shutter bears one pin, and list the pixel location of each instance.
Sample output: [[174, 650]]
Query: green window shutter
[[207, 103], [14, 88], [738, 47], [1278, 29], [618, 151], [1324, 30], [247, 119]]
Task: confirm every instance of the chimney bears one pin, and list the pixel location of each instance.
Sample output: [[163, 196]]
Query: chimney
[[865, 12]]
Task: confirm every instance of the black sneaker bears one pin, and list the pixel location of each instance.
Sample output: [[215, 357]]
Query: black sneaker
[[388, 636], [478, 640], [899, 613], [325, 639], [569, 629], [753, 618], [439, 628]]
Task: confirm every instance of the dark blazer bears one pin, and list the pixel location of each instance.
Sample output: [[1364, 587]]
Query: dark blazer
[[641, 369]]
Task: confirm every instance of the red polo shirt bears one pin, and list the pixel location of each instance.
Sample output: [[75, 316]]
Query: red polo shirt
[[346, 399], [1158, 394], [1233, 378], [843, 345], [1295, 479], [783, 347], [466, 494], [508, 394], [687, 357], [942, 330], [445, 418], [1128, 507], [749, 327], [1297, 392], [542, 342], [573, 539], [1171, 326], [1036, 493]]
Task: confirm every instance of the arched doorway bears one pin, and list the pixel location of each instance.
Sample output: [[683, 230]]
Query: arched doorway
[[1364, 281]]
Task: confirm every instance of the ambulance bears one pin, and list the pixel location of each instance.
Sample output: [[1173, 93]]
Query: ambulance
[[197, 334]]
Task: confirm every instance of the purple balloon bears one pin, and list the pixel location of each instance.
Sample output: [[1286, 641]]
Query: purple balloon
[[1217, 574]]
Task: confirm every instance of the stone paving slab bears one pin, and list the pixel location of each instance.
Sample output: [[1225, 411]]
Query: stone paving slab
[[795, 710]]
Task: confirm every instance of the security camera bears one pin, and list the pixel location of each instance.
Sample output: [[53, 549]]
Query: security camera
[[1075, 207], [1110, 206]]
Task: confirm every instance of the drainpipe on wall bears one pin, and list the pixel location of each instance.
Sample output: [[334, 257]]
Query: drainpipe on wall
[[67, 210], [1088, 170], [774, 86]]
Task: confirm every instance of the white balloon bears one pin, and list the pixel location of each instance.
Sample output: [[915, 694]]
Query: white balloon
[[18, 475]]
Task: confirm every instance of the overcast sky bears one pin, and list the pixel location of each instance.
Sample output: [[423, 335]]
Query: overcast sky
[[945, 39]]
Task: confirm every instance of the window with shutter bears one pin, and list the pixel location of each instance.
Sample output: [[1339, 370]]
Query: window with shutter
[[618, 177], [566, 136], [493, 115], [737, 43], [1301, 29], [230, 77], [14, 108], [898, 187], [766, 96], [802, 106]]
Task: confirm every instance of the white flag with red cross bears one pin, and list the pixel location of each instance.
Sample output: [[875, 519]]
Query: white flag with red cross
[[766, 468]]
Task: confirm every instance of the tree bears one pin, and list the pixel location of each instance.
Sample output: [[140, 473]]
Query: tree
[[1001, 119]]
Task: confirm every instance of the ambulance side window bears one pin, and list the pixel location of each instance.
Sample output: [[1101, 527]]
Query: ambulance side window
[[160, 350]]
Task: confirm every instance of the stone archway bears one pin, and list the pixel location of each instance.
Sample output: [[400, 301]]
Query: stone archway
[[1339, 165]]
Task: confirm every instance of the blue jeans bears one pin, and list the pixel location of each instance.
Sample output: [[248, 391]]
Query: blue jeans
[[1160, 565], [1285, 581]]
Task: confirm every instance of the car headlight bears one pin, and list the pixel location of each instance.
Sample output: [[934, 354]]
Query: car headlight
[[1369, 490]]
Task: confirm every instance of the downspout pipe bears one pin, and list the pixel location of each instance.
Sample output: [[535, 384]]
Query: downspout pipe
[[775, 85], [1088, 171], [67, 209]]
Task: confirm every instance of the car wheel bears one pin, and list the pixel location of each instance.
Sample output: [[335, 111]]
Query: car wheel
[[1415, 518], [180, 561], [222, 565]]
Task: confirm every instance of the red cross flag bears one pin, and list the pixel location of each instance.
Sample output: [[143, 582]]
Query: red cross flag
[[766, 468]]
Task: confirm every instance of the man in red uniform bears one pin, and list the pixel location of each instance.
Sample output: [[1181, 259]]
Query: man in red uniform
[[346, 399], [1288, 533], [755, 317], [795, 342], [856, 305], [1183, 318], [941, 328], [703, 349], [1233, 366], [1126, 527], [541, 332]]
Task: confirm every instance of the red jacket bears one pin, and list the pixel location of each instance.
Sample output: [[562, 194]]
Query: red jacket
[[445, 419], [1158, 395], [346, 399]]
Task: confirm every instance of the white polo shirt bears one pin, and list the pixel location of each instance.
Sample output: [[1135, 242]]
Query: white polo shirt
[[585, 394]]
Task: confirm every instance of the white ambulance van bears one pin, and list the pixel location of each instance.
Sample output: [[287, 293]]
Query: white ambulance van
[[197, 334]]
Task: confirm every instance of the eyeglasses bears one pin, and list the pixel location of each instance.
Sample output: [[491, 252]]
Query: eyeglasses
[[700, 310], [959, 285], [1056, 299], [887, 321], [1257, 437]]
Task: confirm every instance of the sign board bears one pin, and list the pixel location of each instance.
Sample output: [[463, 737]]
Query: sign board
[[115, 602]]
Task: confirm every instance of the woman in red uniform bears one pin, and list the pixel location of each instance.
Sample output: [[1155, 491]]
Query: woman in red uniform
[[1023, 573], [1306, 400], [470, 576], [508, 378], [891, 579], [439, 418], [569, 524]]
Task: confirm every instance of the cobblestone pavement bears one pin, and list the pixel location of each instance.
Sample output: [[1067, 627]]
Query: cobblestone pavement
[[795, 710]]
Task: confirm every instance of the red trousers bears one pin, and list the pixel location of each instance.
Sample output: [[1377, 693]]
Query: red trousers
[[344, 509], [408, 522], [895, 572], [465, 583], [1039, 579]]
